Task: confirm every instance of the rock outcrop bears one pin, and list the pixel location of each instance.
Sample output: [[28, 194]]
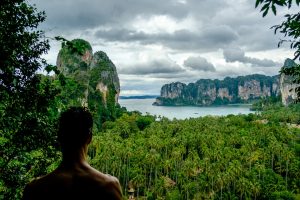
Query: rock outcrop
[[242, 89], [106, 72], [93, 72], [287, 88]]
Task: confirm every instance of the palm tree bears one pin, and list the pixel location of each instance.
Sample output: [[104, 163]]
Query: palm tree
[[287, 155]]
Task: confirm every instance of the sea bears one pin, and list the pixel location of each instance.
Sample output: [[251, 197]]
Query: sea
[[183, 112]]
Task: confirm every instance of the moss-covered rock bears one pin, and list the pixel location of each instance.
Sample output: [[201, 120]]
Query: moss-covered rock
[[103, 74], [287, 88], [96, 77], [68, 60]]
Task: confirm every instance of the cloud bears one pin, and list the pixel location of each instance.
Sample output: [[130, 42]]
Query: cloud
[[70, 14], [199, 64], [237, 54], [208, 38], [232, 55], [160, 66]]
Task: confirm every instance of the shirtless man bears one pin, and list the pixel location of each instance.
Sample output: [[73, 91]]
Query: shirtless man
[[74, 178]]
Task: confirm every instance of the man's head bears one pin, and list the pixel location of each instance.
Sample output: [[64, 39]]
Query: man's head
[[75, 128]]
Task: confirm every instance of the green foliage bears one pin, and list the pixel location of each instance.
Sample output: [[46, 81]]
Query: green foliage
[[233, 157], [27, 122], [75, 46], [267, 103], [278, 114], [143, 122], [73, 56], [71, 93], [290, 28], [20, 60], [95, 74], [284, 195], [78, 91]]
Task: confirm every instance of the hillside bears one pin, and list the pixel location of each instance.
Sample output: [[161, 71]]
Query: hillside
[[204, 92]]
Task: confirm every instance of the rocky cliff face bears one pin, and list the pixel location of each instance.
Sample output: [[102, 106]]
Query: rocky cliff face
[[105, 72], [217, 92], [173, 90], [287, 89], [93, 72]]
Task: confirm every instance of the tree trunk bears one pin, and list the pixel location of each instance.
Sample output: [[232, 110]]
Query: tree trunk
[[272, 161], [150, 177], [221, 191], [286, 172]]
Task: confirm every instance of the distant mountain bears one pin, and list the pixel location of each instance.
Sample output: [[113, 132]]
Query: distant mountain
[[204, 92], [243, 89], [140, 97]]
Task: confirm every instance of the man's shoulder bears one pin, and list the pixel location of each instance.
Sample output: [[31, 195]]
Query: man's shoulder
[[106, 179], [37, 181], [33, 188], [108, 182]]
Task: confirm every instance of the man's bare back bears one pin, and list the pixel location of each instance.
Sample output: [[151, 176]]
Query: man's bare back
[[74, 179], [81, 182]]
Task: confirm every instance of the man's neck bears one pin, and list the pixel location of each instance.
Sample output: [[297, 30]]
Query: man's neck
[[74, 157]]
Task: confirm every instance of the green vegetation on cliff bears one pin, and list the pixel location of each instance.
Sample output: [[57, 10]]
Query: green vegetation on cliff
[[91, 80], [204, 92], [290, 30]]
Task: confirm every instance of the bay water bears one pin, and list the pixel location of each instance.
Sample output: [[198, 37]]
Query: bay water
[[182, 112]]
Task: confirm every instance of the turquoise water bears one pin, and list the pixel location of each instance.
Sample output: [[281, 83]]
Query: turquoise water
[[182, 112]]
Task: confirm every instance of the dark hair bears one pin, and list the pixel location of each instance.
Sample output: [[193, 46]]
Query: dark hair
[[75, 127]]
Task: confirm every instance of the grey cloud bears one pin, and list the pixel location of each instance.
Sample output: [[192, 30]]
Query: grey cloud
[[258, 37], [261, 62], [225, 23], [76, 14], [237, 54], [231, 73], [210, 38], [254, 30], [173, 76], [199, 63], [152, 67]]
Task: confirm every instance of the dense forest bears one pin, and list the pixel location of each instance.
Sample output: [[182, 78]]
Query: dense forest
[[255, 156]]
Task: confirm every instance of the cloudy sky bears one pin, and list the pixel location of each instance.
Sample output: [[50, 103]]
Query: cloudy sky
[[154, 42]]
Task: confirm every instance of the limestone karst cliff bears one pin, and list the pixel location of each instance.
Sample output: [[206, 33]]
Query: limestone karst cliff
[[93, 71], [287, 89], [91, 80], [242, 89]]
